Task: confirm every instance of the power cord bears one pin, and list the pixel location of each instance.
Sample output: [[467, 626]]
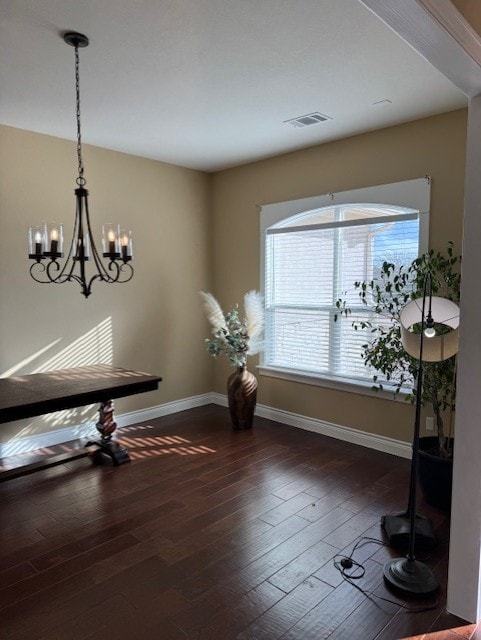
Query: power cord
[[351, 570]]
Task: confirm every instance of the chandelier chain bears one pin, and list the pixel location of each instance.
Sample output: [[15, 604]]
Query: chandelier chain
[[81, 181]]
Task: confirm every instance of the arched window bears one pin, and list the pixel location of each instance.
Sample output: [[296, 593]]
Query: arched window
[[312, 256]]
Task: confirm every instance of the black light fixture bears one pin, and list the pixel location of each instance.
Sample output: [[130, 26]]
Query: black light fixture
[[408, 575], [46, 241]]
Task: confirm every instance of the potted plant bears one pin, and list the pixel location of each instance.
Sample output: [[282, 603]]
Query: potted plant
[[387, 294], [237, 337]]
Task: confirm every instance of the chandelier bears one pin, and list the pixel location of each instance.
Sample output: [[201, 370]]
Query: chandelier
[[46, 241]]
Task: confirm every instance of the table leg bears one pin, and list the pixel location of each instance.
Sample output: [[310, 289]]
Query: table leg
[[109, 451], [106, 424]]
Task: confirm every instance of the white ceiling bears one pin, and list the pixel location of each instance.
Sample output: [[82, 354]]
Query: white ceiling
[[208, 84]]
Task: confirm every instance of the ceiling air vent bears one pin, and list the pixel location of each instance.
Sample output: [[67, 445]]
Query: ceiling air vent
[[307, 120]]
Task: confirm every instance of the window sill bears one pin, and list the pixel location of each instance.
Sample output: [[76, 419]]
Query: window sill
[[360, 388]]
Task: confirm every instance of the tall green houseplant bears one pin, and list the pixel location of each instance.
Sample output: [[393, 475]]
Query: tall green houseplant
[[385, 297]]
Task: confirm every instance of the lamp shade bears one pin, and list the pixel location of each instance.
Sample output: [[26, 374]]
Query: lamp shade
[[439, 347]]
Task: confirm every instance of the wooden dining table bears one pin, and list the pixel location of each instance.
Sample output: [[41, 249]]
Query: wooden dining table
[[30, 395]]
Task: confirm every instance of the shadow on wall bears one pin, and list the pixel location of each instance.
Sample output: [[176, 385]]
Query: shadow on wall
[[94, 347]]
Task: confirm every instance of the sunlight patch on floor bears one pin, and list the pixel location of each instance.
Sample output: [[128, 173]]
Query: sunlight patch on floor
[[140, 448]]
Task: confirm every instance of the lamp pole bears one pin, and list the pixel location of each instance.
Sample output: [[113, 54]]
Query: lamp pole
[[408, 575]]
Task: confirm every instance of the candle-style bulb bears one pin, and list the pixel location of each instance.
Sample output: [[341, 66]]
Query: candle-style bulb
[[110, 240], [126, 245], [35, 243]]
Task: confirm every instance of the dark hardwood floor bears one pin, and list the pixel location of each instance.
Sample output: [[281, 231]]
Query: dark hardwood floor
[[210, 534]]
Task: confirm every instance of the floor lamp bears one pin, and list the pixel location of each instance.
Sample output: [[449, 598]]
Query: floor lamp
[[408, 575]]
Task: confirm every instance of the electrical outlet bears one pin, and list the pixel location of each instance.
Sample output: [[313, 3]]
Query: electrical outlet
[[429, 424]]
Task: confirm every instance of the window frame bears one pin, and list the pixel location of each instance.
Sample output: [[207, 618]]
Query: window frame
[[411, 194]]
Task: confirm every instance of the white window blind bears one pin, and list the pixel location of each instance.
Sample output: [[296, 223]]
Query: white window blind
[[313, 258]]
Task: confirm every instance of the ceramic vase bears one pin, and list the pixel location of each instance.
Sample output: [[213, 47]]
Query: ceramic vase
[[242, 397]]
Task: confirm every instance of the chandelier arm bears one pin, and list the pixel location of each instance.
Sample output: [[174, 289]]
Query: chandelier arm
[[74, 278], [113, 265], [102, 270], [119, 276], [126, 266], [51, 267], [66, 273], [40, 267], [102, 273], [87, 286], [48, 277]]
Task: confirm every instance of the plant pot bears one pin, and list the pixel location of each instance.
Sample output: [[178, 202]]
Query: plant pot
[[242, 397], [435, 474]]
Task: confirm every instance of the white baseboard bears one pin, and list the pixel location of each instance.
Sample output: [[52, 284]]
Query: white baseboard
[[356, 436], [166, 409], [58, 436]]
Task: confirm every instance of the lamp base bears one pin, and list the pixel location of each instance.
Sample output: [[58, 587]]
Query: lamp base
[[397, 532], [410, 577]]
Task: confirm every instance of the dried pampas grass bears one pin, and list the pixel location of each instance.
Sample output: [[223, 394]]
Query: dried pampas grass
[[235, 336], [254, 310], [213, 312]]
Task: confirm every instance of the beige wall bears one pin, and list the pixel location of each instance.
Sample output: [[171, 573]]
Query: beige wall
[[154, 323], [191, 231], [433, 146]]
